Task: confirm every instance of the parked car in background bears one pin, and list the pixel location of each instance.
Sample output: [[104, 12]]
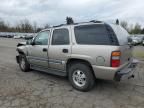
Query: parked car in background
[[22, 36], [29, 37], [82, 51], [136, 40], [9, 36], [3, 36], [17, 37]]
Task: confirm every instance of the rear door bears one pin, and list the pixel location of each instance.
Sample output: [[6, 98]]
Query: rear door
[[126, 50], [60, 48]]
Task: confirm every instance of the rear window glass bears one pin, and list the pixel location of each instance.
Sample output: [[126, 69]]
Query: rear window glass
[[93, 35]]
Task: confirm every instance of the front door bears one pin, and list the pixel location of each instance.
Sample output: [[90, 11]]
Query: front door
[[38, 52]]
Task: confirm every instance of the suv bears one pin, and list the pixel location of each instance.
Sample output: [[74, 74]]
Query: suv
[[82, 51]]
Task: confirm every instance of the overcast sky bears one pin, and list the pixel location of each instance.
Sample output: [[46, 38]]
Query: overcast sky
[[54, 12]]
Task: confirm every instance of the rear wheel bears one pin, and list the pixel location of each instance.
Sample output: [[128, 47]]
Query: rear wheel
[[23, 63], [81, 77]]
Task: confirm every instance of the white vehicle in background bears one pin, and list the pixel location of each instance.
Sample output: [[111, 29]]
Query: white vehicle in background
[[28, 37], [135, 40], [17, 37], [22, 36]]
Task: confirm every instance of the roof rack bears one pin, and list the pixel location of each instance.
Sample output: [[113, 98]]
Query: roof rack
[[94, 21], [64, 25]]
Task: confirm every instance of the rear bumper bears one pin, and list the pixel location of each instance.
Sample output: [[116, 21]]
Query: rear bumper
[[126, 72], [110, 73]]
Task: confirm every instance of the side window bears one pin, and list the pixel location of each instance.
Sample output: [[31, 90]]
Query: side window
[[60, 37], [42, 38]]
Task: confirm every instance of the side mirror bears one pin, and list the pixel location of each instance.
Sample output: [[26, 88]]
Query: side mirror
[[30, 42]]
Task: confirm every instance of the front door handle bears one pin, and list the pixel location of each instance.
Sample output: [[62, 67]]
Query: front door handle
[[65, 50], [44, 49]]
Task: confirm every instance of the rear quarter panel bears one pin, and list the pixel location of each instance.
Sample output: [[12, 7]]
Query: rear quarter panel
[[99, 55]]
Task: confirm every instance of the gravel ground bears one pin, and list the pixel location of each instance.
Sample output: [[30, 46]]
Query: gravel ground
[[40, 90]]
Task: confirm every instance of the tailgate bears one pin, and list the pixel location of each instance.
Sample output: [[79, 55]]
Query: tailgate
[[126, 50]]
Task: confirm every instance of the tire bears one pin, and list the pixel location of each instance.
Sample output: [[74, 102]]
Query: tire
[[81, 77], [23, 63]]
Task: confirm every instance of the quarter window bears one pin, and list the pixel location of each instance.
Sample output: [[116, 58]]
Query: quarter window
[[92, 35], [60, 37]]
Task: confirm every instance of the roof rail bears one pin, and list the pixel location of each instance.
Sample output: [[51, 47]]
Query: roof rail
[[60, 25], [64, 25], [95, 21]]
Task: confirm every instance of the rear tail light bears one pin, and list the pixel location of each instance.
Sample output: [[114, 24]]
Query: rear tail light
[[115, 58]]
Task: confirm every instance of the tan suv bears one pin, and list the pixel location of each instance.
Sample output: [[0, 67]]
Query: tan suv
[[82, 51]]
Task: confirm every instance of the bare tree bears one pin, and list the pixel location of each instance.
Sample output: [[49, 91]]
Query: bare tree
[[46, 26], [35, 27]]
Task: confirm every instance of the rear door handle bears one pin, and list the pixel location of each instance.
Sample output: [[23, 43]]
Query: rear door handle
[[44, 49], [65, 50]]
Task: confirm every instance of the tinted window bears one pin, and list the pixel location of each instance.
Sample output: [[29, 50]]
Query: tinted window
[[60, 37], [112, 35], [42, 38], [92, 34]]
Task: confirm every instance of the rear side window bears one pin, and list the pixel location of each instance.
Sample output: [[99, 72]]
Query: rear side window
[[60, 37], [96, 34]]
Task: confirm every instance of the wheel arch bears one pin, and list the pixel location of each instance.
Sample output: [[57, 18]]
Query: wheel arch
[[73, 60]]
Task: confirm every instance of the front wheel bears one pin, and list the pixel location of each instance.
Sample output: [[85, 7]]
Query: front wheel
[[23, 63], [81, 77]]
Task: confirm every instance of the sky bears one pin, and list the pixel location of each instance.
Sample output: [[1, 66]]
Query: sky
[[54, 12]]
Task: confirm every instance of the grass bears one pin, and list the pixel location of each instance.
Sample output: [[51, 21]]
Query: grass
[[138, 54]]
